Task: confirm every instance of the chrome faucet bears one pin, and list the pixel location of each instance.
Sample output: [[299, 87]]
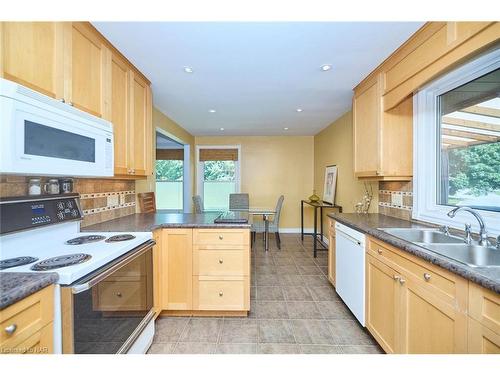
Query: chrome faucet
[[483, 234]]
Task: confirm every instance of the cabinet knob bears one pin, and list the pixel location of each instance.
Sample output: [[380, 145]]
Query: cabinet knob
[[221, 294], [396, 277], [11, 329], [62, 100], [379, 251], [427, 276], [118, 294], [402, 281], [221, 237], [70, 103], [221, 261]]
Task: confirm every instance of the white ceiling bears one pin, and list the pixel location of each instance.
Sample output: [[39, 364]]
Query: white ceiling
[[255, 75]]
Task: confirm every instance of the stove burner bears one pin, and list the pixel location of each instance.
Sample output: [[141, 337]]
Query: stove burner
[[120, 237], [85, 239], [16, 262], [60, 261]]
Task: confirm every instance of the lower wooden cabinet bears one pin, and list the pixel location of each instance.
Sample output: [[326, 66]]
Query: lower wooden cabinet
[[482, 340], [27, 326], [176, 269], [204, 270], [331, 251]]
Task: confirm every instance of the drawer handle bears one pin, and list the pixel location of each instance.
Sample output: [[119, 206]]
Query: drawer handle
[[11, 329], [379, 251], [118, 294], [221, 261], [221, 237], [221, 294], [402, 281], [427, 276]]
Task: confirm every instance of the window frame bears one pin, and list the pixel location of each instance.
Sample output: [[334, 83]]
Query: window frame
[[199, 167], [427, 146]]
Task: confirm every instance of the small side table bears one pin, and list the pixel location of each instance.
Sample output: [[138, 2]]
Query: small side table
[[316, 205]]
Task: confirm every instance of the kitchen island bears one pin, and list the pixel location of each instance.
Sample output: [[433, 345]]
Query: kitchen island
[[201, 268]]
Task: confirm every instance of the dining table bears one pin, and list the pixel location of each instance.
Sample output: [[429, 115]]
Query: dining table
[[266, 214]]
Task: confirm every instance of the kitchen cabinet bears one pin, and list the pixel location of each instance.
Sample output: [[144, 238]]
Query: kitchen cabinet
[[73, 62], [27, 325], [331, 251], [382, 140], [176, 269], [204, 271], [413, 306], [482, 340], [383, 304], [31, 53], [86, 69]]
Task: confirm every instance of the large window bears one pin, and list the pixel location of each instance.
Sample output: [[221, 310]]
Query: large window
[[218, 176], [457, 153]]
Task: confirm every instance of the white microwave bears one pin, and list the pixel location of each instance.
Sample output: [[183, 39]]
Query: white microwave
[[40, 135]]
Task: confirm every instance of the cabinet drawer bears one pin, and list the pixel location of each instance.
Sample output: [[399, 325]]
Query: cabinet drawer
[[484, 306], [28, 316], [224, 295], [130, 272], [451, 287], [221, 237], [120, 296], [230, 262]]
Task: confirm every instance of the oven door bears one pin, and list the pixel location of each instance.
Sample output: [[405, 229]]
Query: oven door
[[105, 312]]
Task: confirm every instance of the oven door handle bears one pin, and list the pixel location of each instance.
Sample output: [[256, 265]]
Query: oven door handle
[[100, 274]]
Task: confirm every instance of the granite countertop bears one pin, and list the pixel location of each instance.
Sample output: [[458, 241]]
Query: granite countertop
[[368, 223], [152, 221], [15, 286]]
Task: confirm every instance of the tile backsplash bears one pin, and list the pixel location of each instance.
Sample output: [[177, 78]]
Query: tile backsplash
[[396, 199], [101, 199]]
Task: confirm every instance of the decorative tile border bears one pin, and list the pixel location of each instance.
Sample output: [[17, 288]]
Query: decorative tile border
[[107, 194], [385, 204], [107, 208], [407, 193]]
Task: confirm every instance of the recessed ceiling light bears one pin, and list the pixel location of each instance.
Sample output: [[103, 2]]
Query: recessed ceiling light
[[285, 128], [188, 69], [221, 129], [212, 110], [299, 109], [326, 67]]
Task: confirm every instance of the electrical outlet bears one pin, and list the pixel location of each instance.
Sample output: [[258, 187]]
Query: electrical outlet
[[112, 200], [397, 200]]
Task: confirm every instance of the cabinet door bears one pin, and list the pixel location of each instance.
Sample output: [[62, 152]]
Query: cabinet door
[[87, 69], [331, 252], [382, 304], [429, 325], [120, 112], [482, 340], [31, 54], [141, 125], [176, 269], [367, 116]]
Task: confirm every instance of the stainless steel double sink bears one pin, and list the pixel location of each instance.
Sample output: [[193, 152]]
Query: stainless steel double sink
[[449, 246]]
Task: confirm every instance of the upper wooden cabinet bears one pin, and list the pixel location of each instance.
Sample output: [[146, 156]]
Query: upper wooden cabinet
[[73, 62], [31, 53], [87, 78], [382, 140]]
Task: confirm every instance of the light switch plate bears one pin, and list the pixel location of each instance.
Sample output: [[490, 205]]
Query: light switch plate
[[397, 200], [112, 200]]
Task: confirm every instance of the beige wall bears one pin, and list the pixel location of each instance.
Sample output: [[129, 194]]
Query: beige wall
[[333, 145], [160, 120], [271, 166]]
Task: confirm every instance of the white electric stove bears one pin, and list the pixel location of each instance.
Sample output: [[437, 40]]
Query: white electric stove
[[105, 276]]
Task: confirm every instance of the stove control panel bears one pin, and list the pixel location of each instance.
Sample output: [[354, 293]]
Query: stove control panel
[[20, 214]]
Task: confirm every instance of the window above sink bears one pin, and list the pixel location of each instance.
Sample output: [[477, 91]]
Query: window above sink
[[457, 145]]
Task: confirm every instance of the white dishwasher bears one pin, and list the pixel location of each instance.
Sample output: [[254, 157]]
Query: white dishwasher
[[350, 269]]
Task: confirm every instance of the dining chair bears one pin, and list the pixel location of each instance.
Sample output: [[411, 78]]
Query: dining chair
[[239, 201], [274, 225], [147, 202], [198, 204]]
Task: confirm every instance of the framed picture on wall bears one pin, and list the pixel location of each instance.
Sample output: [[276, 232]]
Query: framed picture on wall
[[330, 184]]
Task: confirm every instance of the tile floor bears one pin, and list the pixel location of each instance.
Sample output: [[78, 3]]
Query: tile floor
[[294, 309]]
